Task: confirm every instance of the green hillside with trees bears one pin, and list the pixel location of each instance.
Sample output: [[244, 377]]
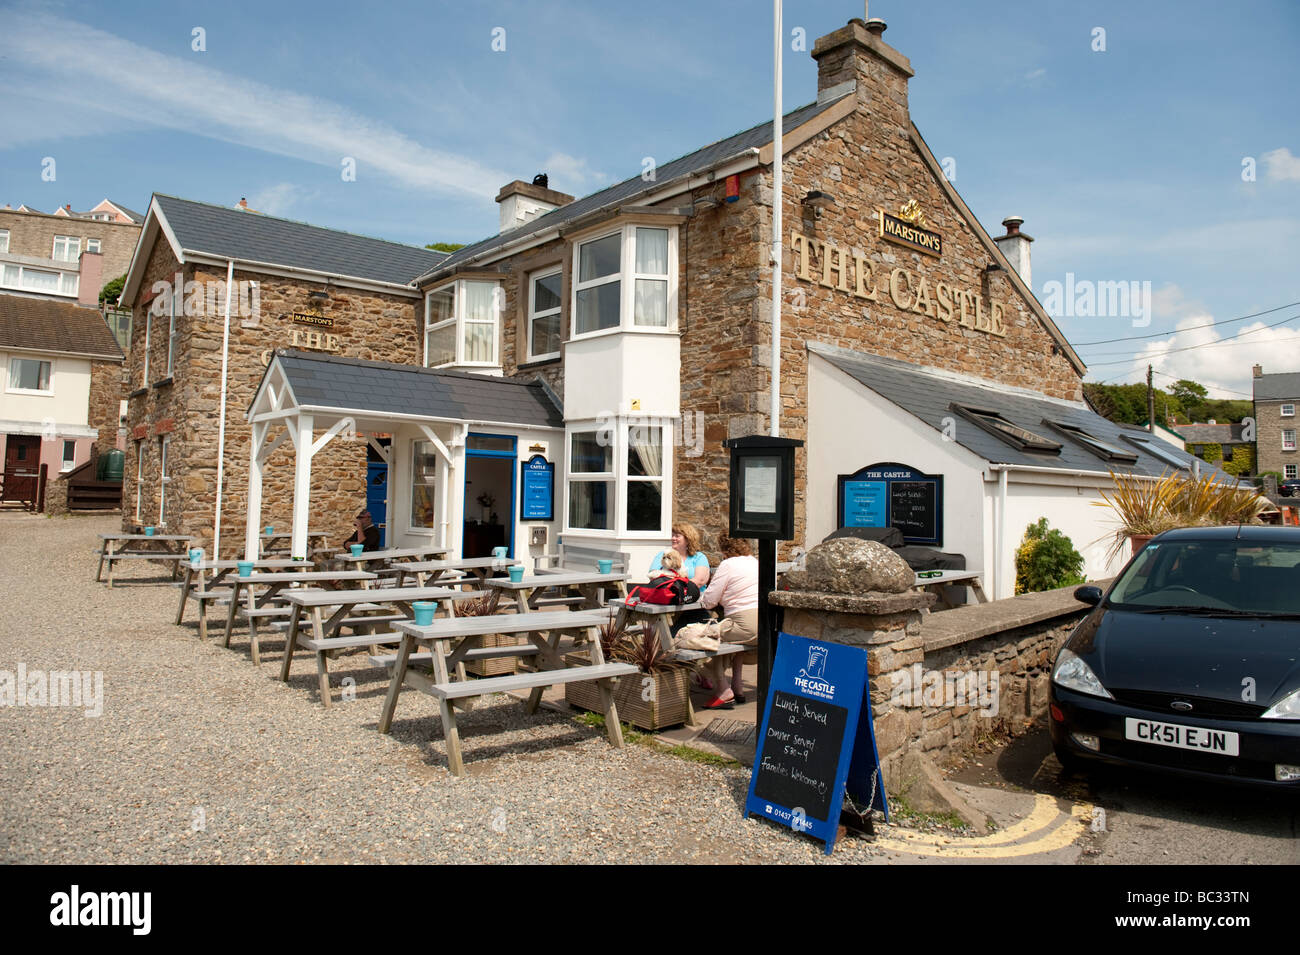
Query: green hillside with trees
[[1184, 402]]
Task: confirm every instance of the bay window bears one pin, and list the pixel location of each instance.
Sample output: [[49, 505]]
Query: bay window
[[424, 479], [591, 481], [645, 478], [40, 280], [618, 479], [626, 279], [544, 300], [461, 324]]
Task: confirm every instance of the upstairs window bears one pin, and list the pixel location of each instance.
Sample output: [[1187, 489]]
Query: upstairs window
[[92, 245], [461, 323], [66, 248], [4, 240], [30, 374], [1288, 440], [626, 279], [1288, 411], [544, 300]]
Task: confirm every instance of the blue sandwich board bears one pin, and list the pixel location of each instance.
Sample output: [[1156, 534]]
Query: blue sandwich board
[[816, 741]]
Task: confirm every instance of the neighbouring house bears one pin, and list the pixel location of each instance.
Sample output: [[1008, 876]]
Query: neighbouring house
[[1215, 443], [294, 286], [1276, 397], [1167, 435], [66, 256], [62, 390]]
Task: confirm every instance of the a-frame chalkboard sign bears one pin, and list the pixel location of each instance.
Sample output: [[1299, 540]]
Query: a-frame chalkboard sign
[[816, 741]]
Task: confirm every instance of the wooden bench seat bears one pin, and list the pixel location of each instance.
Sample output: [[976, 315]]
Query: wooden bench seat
[[694, 656], [478, 653], [517, 681], [358, 621]]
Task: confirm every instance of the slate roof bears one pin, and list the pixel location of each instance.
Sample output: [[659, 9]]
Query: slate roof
[[1212, 433], [137, 217], [930, 396], [47, 325], [253, 237], [624, 192], [1283, 387], [380, 387]]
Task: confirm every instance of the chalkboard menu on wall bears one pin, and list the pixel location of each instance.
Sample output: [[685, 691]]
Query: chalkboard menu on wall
[[893, 495], [816, 739]]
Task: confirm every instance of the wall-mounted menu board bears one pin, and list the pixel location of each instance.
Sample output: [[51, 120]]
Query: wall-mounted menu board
[[537, 500], [816, 741], [893, 495]]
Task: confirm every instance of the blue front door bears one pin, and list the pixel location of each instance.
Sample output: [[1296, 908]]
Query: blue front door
[[377, 491]]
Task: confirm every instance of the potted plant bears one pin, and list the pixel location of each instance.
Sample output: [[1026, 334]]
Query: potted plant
[[659, 697]]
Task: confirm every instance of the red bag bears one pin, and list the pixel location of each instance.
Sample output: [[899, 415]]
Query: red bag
[[665, 590]]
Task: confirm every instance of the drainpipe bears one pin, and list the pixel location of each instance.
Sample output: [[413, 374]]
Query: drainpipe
[[221, 421], [999, 541]]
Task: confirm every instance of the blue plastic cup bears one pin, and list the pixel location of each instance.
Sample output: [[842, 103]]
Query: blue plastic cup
[[245, 567], [423, 612], [605, 566], [356, 549], [270, 529], [148, 532], [196, 555], [499, 552], [516, 573]]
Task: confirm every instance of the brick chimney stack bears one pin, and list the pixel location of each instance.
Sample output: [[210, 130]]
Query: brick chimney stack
[[1015, 246], [857, 57], [1257, 371], [521, 202]]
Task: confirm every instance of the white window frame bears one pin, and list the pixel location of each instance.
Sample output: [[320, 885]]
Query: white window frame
[[628, 275], [458, 318], [139, 478], [1288, 410], [13, 389], [148, 336], [71, 248], [4, 240], [557, 312], [1290, 472], [171, 333], [69, 462], [164, 479], [619, 477], [69, 282], [1288, 439], [96, 246], [439, 475]]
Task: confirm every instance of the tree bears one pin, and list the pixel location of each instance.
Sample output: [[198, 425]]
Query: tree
[[445, 246], [1046, 559], [1188, 392], [111, 291]]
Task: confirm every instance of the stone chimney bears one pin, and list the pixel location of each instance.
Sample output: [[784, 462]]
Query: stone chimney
[[1257, 371], [521, 202], [855, 57], [1015, 246]]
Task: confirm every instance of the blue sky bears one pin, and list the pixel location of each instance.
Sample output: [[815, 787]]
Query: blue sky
[[1126, 163]]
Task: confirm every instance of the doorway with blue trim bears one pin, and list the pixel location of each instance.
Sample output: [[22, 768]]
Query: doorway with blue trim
[[377, 488], [490, 461]]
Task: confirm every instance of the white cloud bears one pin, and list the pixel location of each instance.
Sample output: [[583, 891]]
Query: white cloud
[[572, 175], [280, 199], [133, 84], [1280, 165], [1036, 74]]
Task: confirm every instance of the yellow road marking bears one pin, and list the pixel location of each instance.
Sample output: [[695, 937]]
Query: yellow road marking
[[983, 847], [1045, 811]]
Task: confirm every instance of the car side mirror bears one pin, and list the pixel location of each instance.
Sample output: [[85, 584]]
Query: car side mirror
[[1089, 595]]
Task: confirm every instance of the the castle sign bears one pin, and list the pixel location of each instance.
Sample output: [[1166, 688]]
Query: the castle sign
[[826, 264]]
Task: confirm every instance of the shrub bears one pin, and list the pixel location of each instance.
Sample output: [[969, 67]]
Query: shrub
[[1046, 559]]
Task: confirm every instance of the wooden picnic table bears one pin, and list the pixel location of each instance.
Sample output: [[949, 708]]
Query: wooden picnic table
[[347, 604], [266, 542], [393, 555], [963, 578], [258, 606], [196, 582], [531, 590], [455, 640], [428, 572], [134, 547]]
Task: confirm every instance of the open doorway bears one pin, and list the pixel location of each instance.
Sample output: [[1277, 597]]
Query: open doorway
[[489, 495], [377, 487]]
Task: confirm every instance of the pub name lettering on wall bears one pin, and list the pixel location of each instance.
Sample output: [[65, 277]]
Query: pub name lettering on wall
[[851, 272]]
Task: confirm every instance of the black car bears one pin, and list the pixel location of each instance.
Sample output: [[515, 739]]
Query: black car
[[1289, 488], [1191, 661]]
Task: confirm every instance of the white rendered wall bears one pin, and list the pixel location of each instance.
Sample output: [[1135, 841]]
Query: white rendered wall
[[604, 374], [69, 402]]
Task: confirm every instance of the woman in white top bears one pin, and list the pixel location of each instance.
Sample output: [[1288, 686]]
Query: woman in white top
[[733, 588]]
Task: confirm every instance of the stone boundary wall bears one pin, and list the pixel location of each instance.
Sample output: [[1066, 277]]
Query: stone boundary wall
[[940, 681]]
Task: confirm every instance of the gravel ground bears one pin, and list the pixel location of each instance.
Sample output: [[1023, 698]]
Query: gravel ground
[[199, 756]]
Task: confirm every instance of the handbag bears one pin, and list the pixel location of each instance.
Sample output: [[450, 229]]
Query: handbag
[[698, 636]]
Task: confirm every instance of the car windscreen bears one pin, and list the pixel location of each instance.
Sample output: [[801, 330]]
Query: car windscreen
[[1233, 576]]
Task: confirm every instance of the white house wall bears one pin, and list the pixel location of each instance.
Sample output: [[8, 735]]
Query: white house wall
[[604, 374], [69, 402]]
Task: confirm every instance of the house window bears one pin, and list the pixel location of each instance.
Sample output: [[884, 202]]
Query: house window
[[92, 245], [1290, 471], [69, 455], [163, 479], [424, 477], [645, 478], [30, 374], [461, 322], [626, 279], [544, 300], [40, 280], [1288, 411], [66, 248], [591, 481], [4, 240], [139, 478], [171, 332], [1288, 440]]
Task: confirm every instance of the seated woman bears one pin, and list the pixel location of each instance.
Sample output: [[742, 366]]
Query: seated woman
[[366, 533], [735, 591], [695, 567]]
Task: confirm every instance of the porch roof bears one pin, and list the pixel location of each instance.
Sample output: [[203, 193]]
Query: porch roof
[[377, 389]]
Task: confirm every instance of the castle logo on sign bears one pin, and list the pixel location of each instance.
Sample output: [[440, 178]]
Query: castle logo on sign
[[811, 679]]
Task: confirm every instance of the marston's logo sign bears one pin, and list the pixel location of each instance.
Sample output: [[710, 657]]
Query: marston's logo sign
[[313, 318], [899, 230]]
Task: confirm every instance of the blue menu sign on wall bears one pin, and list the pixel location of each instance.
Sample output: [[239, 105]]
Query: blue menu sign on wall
[[816, 741], [893, 495], [537, 477]]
